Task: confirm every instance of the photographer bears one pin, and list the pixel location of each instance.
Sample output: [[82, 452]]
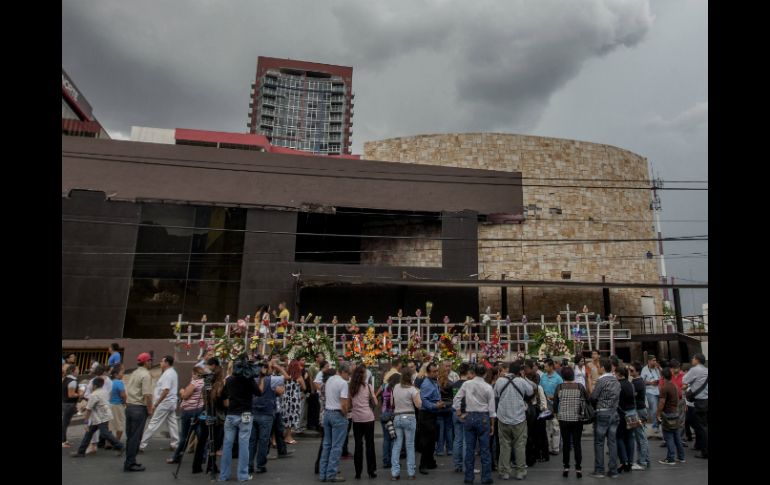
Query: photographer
[[215, 409], [240, 388], [192, 407]]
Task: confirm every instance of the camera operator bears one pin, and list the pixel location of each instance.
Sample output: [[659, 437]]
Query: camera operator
[[240, 389]]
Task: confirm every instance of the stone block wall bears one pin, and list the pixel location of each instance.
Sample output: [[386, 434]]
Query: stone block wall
[[547, 165]]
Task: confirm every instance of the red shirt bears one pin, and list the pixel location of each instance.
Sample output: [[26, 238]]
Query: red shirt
[[676, 380]]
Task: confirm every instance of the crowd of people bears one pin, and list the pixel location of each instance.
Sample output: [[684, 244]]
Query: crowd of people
[[514, 415]]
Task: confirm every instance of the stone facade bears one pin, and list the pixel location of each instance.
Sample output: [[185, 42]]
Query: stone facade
[[424, 253], [552, 212]]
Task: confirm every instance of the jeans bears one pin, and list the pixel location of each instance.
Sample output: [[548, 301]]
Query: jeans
[[445, 433], [136, 416], [278, 432], [458, 447], [512, 436], [67, 411], [406, 425], [673, 444], [640, 436], [188, 427], [477, 428], [335, 432], [233, 423], [605, 426], [701, 425], [259, 441], [652, 408], [428, 433], [571, 432], [361, 432], [104, 431], [387, 442], [625, 440]]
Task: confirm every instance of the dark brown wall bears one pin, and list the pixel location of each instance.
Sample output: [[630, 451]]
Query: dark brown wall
[[130, 170], [95, 287]]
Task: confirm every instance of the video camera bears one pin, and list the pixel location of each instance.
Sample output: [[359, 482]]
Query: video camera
[[246, 368]]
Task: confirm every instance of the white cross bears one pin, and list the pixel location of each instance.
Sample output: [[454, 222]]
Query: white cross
[[568, 313], [585, 314]]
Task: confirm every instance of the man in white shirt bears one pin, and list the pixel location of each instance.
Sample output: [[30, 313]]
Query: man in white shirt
[[651, 376], [479, 422], [164, 402], [335, 424]]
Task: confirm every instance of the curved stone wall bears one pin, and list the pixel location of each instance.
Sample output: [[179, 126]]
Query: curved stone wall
[[547, 165]]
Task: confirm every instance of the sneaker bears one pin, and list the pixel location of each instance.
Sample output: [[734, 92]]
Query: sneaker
[[637, 467], [504, 476], [667, 462], [614, 475], [681, 461], [597, 475], [251, 477]]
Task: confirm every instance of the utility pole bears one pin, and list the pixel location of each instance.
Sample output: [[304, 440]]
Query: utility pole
[[656, 207]]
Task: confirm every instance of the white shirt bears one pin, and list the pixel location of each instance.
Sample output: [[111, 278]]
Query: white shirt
[[336, 389], [453, 376], [168, 380], [479, 397], [107, 386]]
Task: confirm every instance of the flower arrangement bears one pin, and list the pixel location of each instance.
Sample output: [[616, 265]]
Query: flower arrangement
[[354, 347], [448, 351], [549, 343], [413, 349], [371, 353], [493, 348], [385, 345], [308, 343]]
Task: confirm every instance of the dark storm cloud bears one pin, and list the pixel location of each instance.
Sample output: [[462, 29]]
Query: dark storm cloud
[[190, 63]]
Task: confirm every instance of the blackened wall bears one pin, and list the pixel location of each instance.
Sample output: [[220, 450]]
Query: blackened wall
[[95, 286]]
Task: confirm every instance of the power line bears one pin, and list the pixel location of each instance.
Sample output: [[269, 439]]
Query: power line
[[700, 237], [346, 173]]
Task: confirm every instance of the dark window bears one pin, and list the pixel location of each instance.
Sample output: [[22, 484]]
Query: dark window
[[185, 263], [566, 275]]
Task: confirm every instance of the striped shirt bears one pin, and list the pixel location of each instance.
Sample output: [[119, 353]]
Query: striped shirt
[[606, 392], [195, 401]]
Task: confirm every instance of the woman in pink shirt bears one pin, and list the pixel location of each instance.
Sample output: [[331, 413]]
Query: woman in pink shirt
[[362, 395]]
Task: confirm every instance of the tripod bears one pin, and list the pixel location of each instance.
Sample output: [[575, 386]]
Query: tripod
[[193, 423]]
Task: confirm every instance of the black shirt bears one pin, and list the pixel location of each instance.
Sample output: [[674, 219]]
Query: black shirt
[[240, 391], [639, 389], [627, 400]]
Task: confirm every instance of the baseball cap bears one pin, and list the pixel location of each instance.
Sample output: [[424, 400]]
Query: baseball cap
[[143, 357]]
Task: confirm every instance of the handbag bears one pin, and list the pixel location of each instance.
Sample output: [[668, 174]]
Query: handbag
[[632, 421], [587, 411], [532, 412], [670, 421]]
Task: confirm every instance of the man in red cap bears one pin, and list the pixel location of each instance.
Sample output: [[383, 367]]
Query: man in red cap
[[138, 407]]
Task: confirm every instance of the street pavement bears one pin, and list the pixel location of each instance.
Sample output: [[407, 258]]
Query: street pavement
[[105, 467]]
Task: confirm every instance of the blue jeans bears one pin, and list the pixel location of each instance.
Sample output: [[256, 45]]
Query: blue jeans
[[259, 441], [625, 440], [673, 444], [232, 424], [335, 431], [477, 428], [652, 408], [445, 433], [458, 447], [387, 442], [640, 436], [188, 427], [406, 425], [605, 426]]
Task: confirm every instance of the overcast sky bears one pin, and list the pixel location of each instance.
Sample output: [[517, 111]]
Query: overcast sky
[[628, 73]]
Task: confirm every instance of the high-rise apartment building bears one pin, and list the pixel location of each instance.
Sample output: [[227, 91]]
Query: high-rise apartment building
[[303, 105]]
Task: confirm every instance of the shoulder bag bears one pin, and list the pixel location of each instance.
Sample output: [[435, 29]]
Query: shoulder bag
[[587, 411]]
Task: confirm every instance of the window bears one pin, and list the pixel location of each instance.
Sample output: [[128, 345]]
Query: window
[[566, 275]]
